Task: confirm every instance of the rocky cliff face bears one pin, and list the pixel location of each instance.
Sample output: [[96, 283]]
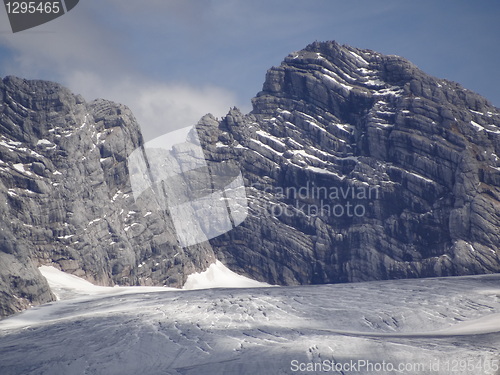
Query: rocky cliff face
[[357, 166], [65, 198]]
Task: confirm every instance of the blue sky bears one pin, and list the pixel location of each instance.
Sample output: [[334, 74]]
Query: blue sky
[[172, 61]]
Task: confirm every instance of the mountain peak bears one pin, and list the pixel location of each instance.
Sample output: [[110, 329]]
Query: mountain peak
[[338, 117]]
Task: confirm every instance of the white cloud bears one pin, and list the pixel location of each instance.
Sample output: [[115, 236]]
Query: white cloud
[[164, 107], [159, 107], [92, 58]]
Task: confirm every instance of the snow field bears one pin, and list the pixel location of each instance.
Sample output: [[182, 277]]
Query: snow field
[[256, 330]]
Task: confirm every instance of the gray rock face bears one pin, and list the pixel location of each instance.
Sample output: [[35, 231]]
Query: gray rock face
[[65, 198], [357, 166]]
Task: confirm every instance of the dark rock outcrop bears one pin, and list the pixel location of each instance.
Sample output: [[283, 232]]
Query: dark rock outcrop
[[357, 166]]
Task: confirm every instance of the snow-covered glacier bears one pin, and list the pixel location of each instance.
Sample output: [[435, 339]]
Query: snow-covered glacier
[[420, 326]]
